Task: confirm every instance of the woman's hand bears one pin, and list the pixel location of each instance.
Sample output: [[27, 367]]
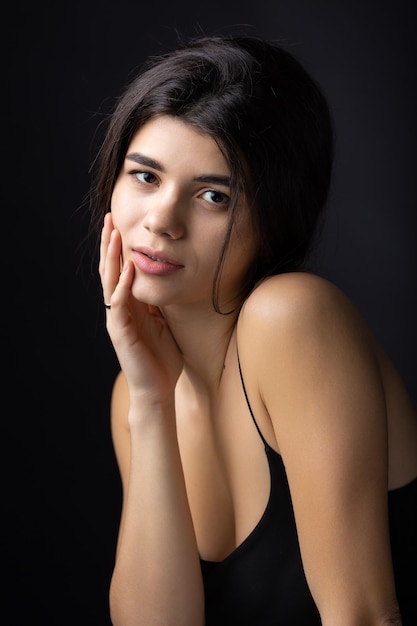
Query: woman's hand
[[145, 347]]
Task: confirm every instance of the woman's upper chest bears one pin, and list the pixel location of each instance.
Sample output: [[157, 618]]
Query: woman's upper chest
[[225, 466]]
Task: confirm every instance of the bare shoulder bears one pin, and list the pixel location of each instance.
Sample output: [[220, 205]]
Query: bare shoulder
[[299, 304], [119, 410], [119, 406], [305, 348]]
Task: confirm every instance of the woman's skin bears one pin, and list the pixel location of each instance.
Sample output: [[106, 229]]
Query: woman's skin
[[194, 472]]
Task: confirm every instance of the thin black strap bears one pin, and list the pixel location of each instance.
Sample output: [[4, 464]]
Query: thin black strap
[[247, 400]]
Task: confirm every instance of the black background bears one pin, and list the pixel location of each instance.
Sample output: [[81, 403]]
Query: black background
[[63, 66]]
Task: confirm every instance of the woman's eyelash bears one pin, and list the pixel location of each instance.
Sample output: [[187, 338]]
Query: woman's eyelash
[[137, 173], [211, 196], [216, 197]]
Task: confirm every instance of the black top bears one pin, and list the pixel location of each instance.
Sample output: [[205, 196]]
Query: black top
[[262, 582]]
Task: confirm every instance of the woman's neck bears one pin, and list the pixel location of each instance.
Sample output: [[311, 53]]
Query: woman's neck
[[203, 338]]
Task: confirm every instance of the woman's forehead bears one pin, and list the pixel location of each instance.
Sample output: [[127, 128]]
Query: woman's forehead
[[169, 140]]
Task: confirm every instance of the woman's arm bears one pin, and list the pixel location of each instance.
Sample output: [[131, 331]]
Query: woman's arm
[[157, 577], [319, 380]]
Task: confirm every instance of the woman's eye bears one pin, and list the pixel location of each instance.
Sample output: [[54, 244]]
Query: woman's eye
[[145, 177], [216, 197]]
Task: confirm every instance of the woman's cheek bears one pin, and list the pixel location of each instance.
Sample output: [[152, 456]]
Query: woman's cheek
[[124, 206]]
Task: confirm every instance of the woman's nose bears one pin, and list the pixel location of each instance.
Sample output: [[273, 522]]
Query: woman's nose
[[165, 215]]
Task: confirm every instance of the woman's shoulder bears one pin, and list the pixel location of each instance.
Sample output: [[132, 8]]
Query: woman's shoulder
[[304, 348], [296, 295], [119, 424], [119, 400], [300, 309]]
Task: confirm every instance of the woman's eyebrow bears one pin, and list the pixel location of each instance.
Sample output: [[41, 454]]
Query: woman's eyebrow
[[212, 179], [141, 159]]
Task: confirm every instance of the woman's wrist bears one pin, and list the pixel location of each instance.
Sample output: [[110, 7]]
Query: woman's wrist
[[144, 409]]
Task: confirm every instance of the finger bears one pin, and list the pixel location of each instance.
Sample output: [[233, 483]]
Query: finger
[[121, 302], [111, 272], [104, 242]]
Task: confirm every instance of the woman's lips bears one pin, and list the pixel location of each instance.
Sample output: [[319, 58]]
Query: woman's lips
[[154, 262]]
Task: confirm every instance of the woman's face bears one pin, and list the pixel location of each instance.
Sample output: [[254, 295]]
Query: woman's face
[[170, 204]]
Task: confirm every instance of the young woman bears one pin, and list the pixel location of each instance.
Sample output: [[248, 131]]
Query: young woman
[[266, 445]]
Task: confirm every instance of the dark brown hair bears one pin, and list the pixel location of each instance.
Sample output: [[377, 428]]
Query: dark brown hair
[[269, 118]]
